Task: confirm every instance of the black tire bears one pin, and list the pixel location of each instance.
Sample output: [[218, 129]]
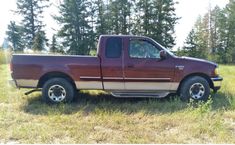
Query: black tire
[[193, 88], [58, 90]]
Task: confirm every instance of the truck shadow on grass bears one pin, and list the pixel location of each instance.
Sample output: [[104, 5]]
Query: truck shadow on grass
[[86, 104], [223, 100]]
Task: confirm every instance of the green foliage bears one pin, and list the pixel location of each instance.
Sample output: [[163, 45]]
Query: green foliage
[[190, 48], [197, 41], [75, 30], [83, 21], [39, 42], [93, 52], [15, 33], [230, 48], [119, 13], [156, 19], [55, 48], [214, 35], [101, 13], [5, 56], [200, 107], [31, 11]]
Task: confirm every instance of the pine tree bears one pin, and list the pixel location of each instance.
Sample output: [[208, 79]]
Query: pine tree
[[55, 48], [213, 27], [114, 15], [101, 22], [143, 14], [230, 12], [119, 16], [31, 10], [15, 33], [92, 18], [197, 41], [202, 32], [75, 26], [165, 20], [190, 47], [217, 26], [156, 19], [222, 48], [39, 42], [125, 16], [215, 34]]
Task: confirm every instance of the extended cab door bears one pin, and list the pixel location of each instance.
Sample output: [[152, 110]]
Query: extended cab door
[[112, 63], [144, 69]]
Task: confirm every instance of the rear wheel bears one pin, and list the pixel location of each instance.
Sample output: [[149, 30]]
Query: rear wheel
[[196, 88], [58, 90]]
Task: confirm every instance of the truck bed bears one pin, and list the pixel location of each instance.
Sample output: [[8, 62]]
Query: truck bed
[[33, 67]]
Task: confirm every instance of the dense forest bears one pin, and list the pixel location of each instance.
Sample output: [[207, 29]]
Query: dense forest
[[82, 21]]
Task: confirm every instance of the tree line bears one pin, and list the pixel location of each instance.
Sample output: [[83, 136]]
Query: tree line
[[82, 21], [213, 36]]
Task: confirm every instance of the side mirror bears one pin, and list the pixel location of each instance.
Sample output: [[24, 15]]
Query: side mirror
[[163, 54]]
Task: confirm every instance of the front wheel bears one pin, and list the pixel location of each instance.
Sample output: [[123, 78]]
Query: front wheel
[[196, 88], [58, 90]]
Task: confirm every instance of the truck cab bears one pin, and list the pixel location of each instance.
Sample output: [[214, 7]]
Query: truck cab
[[135, 63]]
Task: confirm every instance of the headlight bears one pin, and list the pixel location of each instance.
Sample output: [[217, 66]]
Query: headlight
[[216, 71]]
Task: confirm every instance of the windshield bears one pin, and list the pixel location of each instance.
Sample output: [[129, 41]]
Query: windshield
[[168, 51]]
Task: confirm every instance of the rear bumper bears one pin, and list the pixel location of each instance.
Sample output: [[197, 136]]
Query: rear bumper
[[217, 82]]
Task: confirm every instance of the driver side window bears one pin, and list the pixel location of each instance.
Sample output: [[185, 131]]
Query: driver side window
[[143, 49]]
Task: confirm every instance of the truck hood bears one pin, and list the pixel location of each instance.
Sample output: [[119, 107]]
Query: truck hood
[[199, 60]]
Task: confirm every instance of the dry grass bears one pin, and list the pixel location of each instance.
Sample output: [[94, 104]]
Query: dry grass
[[96, 117]]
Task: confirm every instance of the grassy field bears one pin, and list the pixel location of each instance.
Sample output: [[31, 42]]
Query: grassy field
[[96, 117], [4, 57]]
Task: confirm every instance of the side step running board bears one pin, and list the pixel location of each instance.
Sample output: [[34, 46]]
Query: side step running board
[[140, 94]]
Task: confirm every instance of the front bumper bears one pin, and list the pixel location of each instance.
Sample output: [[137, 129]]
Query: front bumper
[[13, 83], [217, 82]]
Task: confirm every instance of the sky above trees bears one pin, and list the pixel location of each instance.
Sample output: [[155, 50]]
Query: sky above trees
[[188, 10]]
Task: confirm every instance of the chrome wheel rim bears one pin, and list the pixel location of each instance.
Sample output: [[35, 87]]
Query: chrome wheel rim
[[197, 91], [57, 93]]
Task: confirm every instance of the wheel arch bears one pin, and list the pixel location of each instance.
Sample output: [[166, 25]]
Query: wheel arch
[[55, 74], [205, 76]]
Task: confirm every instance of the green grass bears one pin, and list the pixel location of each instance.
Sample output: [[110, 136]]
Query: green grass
[[4, 57], [96, 117]]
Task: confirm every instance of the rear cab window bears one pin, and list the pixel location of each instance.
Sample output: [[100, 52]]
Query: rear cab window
[[113, 47]]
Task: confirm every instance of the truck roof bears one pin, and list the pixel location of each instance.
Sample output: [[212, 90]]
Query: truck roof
[[123, 36]]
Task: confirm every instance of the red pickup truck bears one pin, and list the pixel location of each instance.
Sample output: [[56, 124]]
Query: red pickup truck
[[126, 66]]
